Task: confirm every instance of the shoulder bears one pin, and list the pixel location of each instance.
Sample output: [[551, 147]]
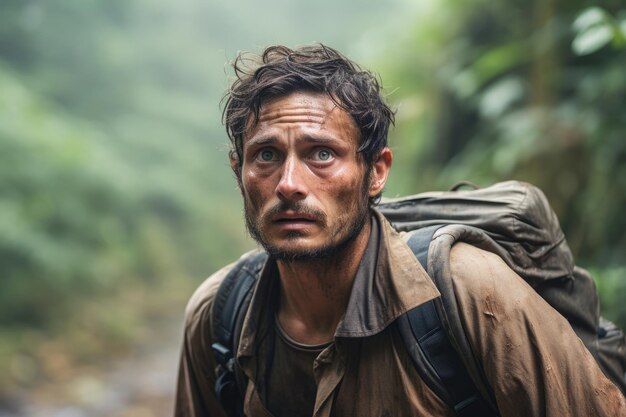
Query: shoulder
[[495, 302], [499, 309], [470, 261], [527, 350], [196, 377], [200, 303], [480, 275], [198, 309]]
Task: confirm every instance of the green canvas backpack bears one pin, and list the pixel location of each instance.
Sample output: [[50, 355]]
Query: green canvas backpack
[[511, 219]]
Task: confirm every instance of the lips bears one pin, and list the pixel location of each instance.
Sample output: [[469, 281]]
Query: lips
[[293, 217]]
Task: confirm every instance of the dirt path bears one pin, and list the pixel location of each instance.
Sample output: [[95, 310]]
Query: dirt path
[[138, 385]]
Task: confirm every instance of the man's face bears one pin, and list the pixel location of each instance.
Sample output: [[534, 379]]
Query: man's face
[[304, 185]]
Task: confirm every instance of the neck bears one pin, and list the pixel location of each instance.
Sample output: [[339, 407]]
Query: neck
[[314, 294]]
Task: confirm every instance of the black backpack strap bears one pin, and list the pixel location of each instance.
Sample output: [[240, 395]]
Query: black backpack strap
[[425, 338], [429, 346], [229, 309]]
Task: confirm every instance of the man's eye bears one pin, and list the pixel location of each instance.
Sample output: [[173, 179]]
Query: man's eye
[[267, 155], [322, 155]]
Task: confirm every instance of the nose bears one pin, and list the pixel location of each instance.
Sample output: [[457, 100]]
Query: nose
[[291, 186]]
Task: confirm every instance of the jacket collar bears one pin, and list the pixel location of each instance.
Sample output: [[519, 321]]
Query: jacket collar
[[389, 282]]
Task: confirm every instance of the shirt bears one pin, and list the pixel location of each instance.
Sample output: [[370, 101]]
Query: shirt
[[533, 360], [292, 366]]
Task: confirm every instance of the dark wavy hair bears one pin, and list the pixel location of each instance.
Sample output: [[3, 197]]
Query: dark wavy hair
[[280, 71]]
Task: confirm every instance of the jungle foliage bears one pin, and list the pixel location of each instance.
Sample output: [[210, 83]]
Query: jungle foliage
[[116, 198], [529, 91]]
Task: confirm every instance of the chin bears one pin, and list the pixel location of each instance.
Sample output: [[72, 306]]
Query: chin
[[291, 255], [296, 248]]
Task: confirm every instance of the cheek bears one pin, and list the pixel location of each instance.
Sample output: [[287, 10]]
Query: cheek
[[252, 191], [346, 192]]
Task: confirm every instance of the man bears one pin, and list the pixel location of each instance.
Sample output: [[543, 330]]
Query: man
[[309, 133]]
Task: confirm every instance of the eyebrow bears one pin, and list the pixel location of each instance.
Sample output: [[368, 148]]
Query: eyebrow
[[270, 140], [263, 140], [319, 139]]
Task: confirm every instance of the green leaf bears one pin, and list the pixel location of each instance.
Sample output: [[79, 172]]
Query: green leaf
[[588, 18], [592, 39], [620, 34], [500, 96]]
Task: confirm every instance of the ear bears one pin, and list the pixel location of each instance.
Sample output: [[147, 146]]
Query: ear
[[380, 171], [234, 161], [234, 165]]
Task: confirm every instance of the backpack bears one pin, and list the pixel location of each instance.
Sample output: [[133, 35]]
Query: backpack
[[511, 219]]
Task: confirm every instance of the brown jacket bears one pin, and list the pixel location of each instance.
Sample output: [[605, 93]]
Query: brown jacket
[[532, 358]]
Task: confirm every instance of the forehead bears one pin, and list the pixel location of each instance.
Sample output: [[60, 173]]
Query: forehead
[[304, 111]]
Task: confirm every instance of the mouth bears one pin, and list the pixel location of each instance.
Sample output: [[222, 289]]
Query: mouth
[[289, 217]]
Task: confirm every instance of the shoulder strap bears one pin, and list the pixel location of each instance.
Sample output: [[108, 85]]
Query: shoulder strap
[[429, 346], [425, 338], [231, 303]]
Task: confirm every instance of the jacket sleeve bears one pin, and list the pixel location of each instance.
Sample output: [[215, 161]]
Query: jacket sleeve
[[195, 396], [532, 358]]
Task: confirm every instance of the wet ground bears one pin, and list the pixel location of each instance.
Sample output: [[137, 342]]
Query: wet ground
[[140, 384]]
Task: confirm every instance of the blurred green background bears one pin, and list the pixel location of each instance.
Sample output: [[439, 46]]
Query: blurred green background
[[116, 198]]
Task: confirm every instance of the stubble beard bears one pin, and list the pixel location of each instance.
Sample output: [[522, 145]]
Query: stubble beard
[[338, 241]]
